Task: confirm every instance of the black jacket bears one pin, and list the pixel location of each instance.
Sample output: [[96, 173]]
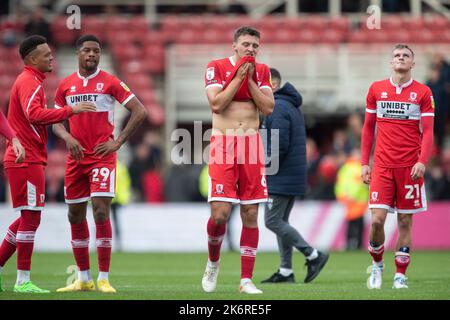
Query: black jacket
[[288, 119]]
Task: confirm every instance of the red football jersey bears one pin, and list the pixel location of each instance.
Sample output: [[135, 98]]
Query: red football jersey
[[399, 110], [218, 71], [101, 88], [28, 116]]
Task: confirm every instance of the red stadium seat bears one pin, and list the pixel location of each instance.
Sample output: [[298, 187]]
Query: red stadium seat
[[333, 36], [339, 23], [187, 36], [280, 35], [61, 34], [139, 82], [153, 38], [117, 23], [316, 22], [444, 36], [414, 24], [437, 23], [391, 22], [377, 36], [400, 36], [215, 36], [156, 114], [156, 59], [423, 36], [148, 97], [127, 52], [94, 24], [308, 36], [294, 24]]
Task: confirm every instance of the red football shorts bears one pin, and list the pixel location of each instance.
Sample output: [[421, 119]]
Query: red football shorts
[[395, 190], [236, 169], [27, 185], [89, 178]]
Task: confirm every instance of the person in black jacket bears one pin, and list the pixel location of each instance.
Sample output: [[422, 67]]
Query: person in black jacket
[[290, 180]]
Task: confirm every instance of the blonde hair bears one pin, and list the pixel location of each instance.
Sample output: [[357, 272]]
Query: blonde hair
[[403, 46]]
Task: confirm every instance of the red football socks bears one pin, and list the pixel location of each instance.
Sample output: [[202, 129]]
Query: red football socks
[[80, 244], [402, 260], [29, 222], [376, 253], [249, 246], [104, 244], [215, 237], [8, 246]]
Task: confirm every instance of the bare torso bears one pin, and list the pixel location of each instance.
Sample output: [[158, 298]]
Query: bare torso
[[237, 119]]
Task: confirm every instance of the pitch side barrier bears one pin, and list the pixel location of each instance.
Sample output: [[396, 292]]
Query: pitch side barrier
[[144, 227]]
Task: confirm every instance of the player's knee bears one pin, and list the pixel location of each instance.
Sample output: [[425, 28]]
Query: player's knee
[[404, 223], [377, 224], [100, 216], [75, 217], [219, 218], [250, 214]]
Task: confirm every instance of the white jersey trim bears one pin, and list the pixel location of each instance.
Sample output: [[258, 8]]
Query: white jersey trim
[[103, 194], [398, 89], [232, 61], [370, 110], [427, 114], [57, 107], [214, 85], [86, 79], [32, 97], [254, 201], [265, 87], [128, 99], [79, 200], [31, 208], [232, 200], [28, 106]]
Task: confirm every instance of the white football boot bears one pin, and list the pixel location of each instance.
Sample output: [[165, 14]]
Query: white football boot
[[209, 280], [400, 281], [376, 276], [249, 288]]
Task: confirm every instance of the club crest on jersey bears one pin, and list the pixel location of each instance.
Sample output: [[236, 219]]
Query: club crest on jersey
[[125, 86], [210, 73], [73, 89], [227, 74], [219, 189], [413, 96], [384, 95], [99, 87], [375, 196]]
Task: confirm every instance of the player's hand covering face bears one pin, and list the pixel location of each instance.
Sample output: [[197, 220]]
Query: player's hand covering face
[[402, 60], [246, 45]]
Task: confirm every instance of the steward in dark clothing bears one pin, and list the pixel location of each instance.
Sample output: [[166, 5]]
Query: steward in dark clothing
[[288, 119], [289, 181]]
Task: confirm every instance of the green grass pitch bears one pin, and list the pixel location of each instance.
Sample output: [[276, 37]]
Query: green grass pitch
[[177, 276]]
